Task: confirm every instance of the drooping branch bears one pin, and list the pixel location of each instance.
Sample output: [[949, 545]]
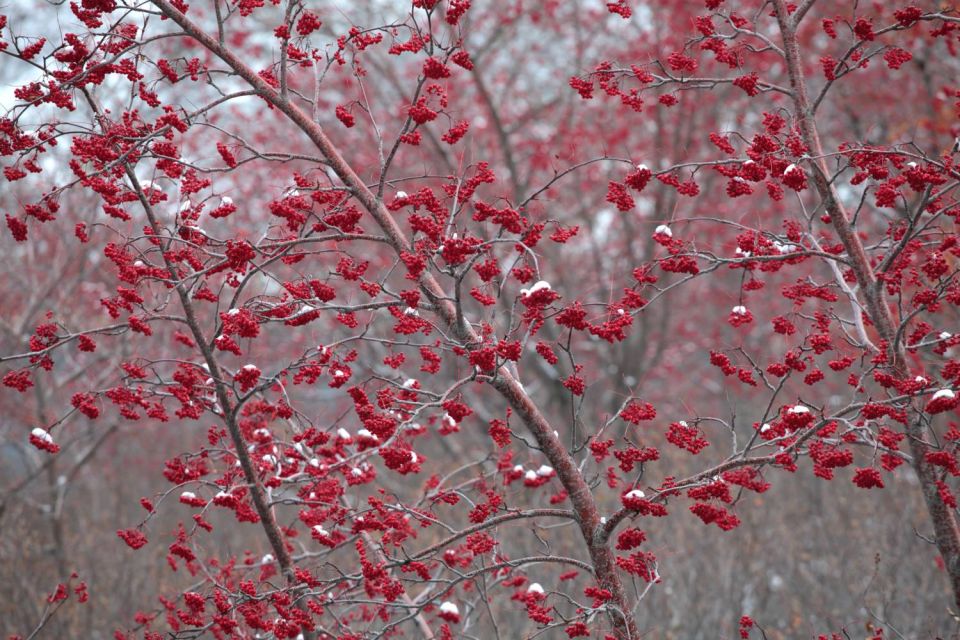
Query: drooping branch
[[228, 409]]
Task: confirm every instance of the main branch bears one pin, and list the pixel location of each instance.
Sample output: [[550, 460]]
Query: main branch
[[581, 497], [942, 516]]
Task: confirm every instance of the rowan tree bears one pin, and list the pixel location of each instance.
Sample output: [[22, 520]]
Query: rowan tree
[[446, 306]]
